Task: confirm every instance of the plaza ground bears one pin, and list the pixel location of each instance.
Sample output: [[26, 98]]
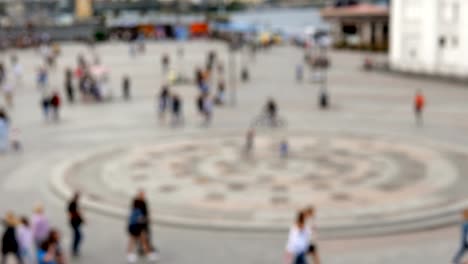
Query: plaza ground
[[368, 104]]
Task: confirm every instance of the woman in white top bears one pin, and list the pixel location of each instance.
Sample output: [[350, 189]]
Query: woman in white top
[[298, 241]]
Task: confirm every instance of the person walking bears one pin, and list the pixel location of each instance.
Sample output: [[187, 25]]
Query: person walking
[[25, 241], [165, 63], [4, 131], [69, 91], [298, 241], [40, 225], [8, 92], [55, 104], [9, 241], [126, 88], [42, 78], [163, 100], [207, 109], [220, 95], [177, 117], [464, 239], [271, 111], [137, 233], [419, 104], [249, 141], [309, 214], [2, 73], [76, 220], [299, 72]]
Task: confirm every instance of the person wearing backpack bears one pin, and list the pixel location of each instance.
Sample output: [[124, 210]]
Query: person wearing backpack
[[464, 239]]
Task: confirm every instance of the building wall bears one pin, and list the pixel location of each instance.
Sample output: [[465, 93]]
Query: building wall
[[428, 36]]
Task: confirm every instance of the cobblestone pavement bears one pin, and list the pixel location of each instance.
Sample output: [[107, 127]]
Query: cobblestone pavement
[[370, 107]]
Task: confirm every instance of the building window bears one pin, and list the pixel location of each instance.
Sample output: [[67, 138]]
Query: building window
[[455, 42], [442, 42]]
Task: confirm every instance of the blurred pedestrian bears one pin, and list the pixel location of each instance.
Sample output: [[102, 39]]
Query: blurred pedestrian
[[313, 251], [46, 253], [137, 233], [163, 102], [419, 104], [250, 141], [245, 74], [8, 92], [165, 64], [25, 241], [55, 103], [69, 91], [76, 220], [4, 130], [323, 98], [177, 116], [299, 72], [207, 109], [2, 73], [126, 87], [298, 241], [284, 149], [40, 225], [271, 111], [464, 239], [42, 78], [220, 97], [17, 71], [54, 239], [9, 242]]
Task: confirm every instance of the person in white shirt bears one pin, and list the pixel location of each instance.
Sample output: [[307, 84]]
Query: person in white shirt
[[309, 213], [298, 241]]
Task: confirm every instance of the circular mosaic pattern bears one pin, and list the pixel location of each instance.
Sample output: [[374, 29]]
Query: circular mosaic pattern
[[351, 179]]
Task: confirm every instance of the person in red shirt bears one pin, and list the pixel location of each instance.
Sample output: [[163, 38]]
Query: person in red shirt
[[55, 104], [419, 103]]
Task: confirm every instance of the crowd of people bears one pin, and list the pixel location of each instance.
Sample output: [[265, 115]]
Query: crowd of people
[[34, 240]]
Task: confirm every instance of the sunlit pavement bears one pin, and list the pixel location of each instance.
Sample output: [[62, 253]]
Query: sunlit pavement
[[370, 105]]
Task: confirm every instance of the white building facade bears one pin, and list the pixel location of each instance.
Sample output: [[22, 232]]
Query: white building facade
[[430, 37]]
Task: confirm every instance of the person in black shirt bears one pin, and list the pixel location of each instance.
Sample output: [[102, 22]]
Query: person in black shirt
[[271, 111], [141, 204], [176, 110], [76, 220], [69, 86], [126, 87], [9, 242]]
